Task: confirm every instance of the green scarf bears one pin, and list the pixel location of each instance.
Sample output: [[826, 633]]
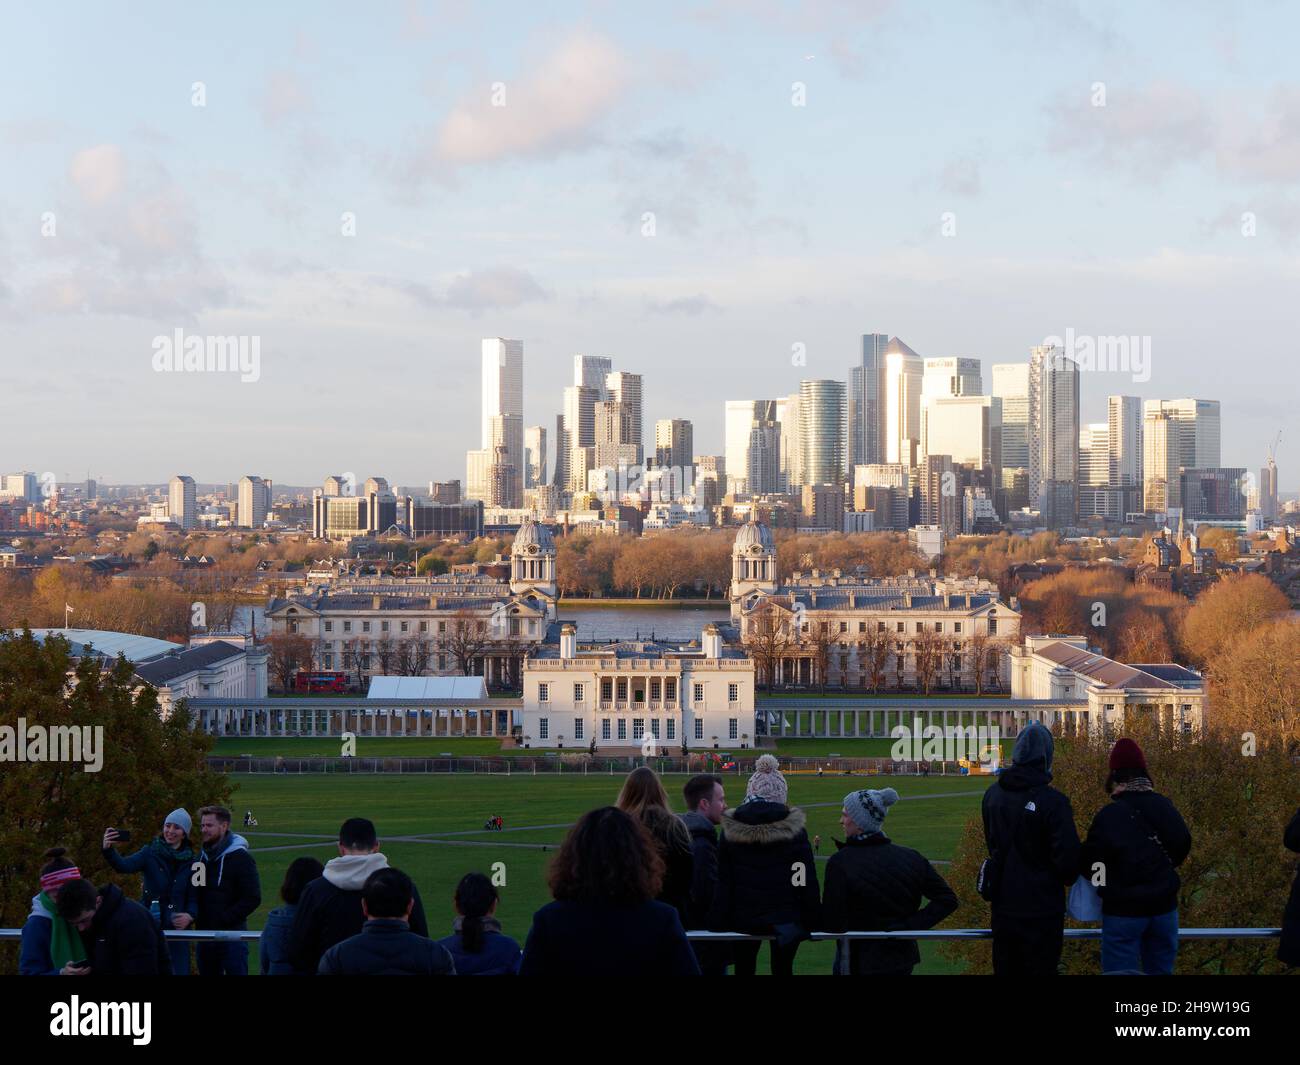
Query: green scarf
[[65, 941], [161, 847]]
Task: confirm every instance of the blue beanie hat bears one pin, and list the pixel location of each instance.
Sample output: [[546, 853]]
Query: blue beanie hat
[[179, 818], [867, 808]]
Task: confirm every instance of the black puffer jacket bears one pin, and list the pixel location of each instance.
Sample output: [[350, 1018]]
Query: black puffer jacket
[[386, 947], [1029, 826], [764, 851], [673, 842], [704, 874], [1140, 880], [124, 939], [872, 884], [1289, 949]]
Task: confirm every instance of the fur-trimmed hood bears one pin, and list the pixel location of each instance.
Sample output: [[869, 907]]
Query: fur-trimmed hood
[[761, 822]]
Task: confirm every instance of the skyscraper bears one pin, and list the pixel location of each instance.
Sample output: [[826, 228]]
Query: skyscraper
[[951, 376], [1187, 432], [502, 398], [1011, 385], [578, 434], [790, 476], [181, 505], [1124, 445], [823, 424], [534, 456], [590, 371], [904, 371], [866, 417], [1053, 435], [741, 415]]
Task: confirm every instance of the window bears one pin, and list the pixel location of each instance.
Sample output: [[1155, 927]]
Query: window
[[347, 626], [880, 626], [656, 687], [733, 692], [604, 728], [514, 626], [543, 728], [900, 627], [672, 728], [654, 727], [442, 627], [638, 728], [442, 662], [480, 626], [543, 693], [622, 689], [329, 626], [993, 626], [699, 728], [328, 662], [699, 693], [938, 626], [577, 693], [424, 626], [956, 627], [383, 626], [406, 625], [844, 626], [670, 688], [622, 728], [577, 728], [862, 626], [920, 626], [732, 728], [365, 626], [607, 689], [365, 663]]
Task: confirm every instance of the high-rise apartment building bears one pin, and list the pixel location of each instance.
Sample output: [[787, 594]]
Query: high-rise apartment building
[[182, 507], [1053, 435], [579, 433], [625, 388], [674, 442], [791, 474], [742, 418], [254, 502], [823, 425]]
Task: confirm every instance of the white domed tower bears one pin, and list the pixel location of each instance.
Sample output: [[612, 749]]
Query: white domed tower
[[532, 563], [753, 564]]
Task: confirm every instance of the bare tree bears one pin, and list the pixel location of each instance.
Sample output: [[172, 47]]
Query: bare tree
[[929, 657], [289, 653], [876, 657], [766, 640], [466, 640]]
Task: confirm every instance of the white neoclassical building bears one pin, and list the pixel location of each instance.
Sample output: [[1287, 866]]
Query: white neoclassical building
[[427, 626], [1063, 668], [639, 693], [880, 633]]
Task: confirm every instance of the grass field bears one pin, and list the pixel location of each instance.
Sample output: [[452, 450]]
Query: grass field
[[431, 828]]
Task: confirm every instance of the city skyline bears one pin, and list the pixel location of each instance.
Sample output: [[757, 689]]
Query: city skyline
[[721, 222]]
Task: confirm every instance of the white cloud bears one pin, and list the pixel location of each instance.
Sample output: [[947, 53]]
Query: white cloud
[[98, 173], [557, 108]]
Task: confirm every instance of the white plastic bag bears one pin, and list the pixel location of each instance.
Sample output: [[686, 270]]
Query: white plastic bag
[[1085, 902]]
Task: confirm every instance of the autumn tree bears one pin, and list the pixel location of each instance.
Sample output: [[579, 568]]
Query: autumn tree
[[1229, 609], [149, 766], [1236, 805]]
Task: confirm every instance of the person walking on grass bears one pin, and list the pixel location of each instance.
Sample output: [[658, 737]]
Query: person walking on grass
[[1134, 847], [166, 868], [873, 884]]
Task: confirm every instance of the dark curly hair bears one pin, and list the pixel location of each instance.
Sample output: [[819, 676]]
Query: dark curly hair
[[608, 856]]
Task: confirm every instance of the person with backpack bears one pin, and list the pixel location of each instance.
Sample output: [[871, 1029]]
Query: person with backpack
[[166, 868], [1288, 950], [1132, 852], [1033, 856]]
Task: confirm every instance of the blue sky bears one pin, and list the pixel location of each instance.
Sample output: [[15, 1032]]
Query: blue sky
[[774, 224]]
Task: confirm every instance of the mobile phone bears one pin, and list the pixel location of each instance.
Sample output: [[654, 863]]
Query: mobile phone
[[83, 963], [123, 836]]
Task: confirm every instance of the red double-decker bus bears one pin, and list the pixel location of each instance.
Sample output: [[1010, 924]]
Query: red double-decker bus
[[306, 681]]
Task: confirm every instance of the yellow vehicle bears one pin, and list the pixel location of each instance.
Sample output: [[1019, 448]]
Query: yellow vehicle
[[987, 766]]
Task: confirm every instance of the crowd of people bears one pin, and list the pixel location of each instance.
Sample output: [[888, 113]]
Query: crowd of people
[[630, 879]]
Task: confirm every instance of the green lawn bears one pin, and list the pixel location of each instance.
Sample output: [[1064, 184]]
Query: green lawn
[[850, 747], [540, 807]]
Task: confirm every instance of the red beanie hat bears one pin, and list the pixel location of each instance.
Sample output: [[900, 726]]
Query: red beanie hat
[[1126, 754]]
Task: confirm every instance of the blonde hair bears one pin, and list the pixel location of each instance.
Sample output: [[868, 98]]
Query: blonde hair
[[641, 789]]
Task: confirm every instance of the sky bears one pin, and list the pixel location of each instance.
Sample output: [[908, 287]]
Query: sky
[[721, 196]]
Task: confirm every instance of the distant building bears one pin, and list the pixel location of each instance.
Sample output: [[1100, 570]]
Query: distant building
[[181, 504], [254, 502]]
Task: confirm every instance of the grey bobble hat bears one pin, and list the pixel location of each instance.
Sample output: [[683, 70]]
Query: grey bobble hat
[[867, 808]]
